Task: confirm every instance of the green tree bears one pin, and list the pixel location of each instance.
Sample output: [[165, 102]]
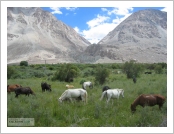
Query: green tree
[[66, 72], [101, 74], [132, 69], [23, 63], [10, 71]]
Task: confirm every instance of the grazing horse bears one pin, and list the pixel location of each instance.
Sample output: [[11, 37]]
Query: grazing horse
[[112, 94], [134, 79], [74, 93], [148, 73], [45, 86], [87, 84], [11, 88], [148, 100], [23, 90], [105, 88], [69, 86]]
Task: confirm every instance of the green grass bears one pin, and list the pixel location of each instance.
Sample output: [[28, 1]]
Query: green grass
[[47, 112]]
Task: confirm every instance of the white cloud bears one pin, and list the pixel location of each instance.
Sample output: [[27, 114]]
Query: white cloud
[[164, 9], [71, 8], [120, 11], [104, 9], [100, 26], [119, 20], [97, 21], [56, 10], [77, 29], [95, 34]]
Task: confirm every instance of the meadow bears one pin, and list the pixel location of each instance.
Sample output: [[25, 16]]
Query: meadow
[[48, 112]]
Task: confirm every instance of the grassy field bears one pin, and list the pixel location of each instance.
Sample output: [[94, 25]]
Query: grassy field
[[47, 112]]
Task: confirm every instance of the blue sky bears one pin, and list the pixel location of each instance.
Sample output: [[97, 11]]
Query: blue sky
[[94, 23]]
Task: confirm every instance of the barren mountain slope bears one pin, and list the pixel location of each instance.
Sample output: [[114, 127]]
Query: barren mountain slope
[[34, 34], [142, 37]]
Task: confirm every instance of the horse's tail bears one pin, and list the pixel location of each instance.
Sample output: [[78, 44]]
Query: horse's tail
[[103, 94]]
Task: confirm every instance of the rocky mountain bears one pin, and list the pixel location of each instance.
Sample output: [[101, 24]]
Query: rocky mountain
[[141, 37], [35, 35]]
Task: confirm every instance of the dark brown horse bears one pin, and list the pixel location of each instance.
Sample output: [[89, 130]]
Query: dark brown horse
[[11, 88], [23, 90], [148, 100]]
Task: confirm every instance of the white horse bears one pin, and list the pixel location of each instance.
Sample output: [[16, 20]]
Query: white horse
[[74, 93], [87, 84], [112, 94]]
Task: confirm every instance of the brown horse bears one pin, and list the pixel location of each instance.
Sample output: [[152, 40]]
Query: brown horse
[[11, 88], [148, 100]]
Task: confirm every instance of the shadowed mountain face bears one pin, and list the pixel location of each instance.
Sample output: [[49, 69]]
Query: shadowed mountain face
[[142, 37], [34, 34]]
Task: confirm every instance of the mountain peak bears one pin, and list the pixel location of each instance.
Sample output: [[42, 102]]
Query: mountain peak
[[34, 34]]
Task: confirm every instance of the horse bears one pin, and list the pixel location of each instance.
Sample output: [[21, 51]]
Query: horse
[[23, 90], [112, 94], [69, 86], [105, 88], [134, 79], [74, 93], [148, 73], [148, 100], [11, 88], [45, 86], [87, 84]]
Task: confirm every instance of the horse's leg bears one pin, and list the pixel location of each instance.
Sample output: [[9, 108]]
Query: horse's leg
[[109, 97], [71, 100], [16, 95], [160, 107]]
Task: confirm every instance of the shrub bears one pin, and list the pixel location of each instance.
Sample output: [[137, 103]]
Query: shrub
[[158, 69], [10, 72], [101, 74], [66, 72], [132, 69], [23, 63]]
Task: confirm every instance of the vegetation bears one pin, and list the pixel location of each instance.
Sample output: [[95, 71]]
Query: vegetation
[[101, 74], [132, 69], [46, 110], [23, 63]]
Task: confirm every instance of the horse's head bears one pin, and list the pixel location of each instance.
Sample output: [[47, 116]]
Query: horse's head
[[60, 100], [133, 109], [49, 87], [122, 93], [160, 99]]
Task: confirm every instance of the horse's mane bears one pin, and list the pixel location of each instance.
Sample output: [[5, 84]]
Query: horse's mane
[[137, 99], [83, 86]]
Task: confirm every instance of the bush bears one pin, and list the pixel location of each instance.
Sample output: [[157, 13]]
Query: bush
[[66, 72], [23, 63], [10, 72], [101, 74], [132, 69], [158, 69]]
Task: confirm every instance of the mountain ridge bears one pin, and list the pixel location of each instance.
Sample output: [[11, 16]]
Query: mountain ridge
[[36, 35]]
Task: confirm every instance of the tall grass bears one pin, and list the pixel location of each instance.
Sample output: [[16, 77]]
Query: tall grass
[[46, 110]]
